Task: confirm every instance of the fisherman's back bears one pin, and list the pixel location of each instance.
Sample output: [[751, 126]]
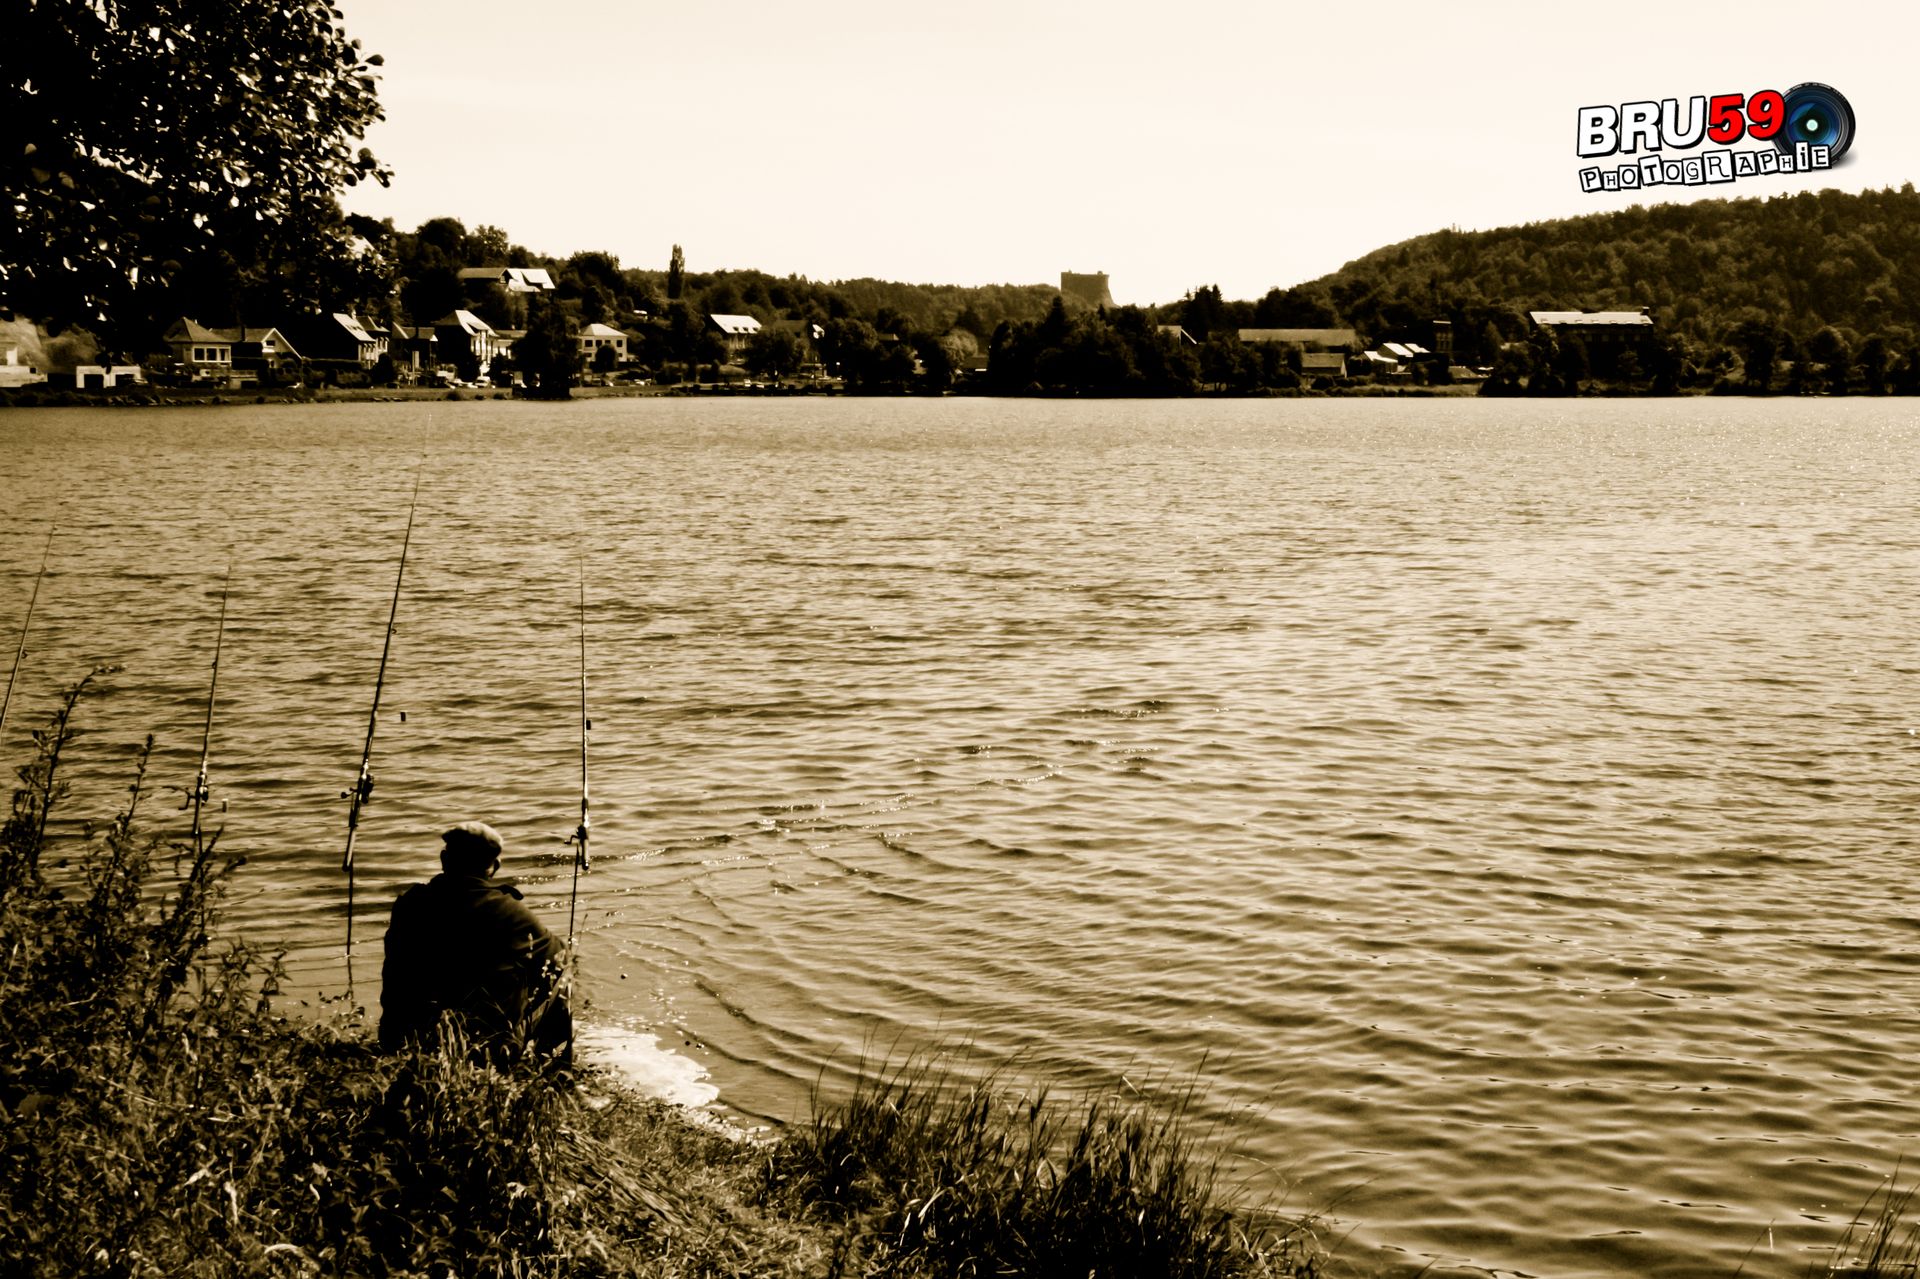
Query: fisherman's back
[[467, 944]]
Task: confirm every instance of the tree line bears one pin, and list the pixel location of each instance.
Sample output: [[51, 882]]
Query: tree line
[[167, 166]]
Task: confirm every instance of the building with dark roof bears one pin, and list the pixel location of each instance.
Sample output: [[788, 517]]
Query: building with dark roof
[[1342, 340]]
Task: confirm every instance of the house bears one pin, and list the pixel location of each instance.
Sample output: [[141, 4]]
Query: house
[[597, 336], [413, 347], [200, 354], [13, 373], [107, 377], [1315, 364], [1607, 335], [463, 332], [1177, 332], [382, 336], [338, 339], [735, 331], [1379, 365], [1590, 322], [508, 279], [1342, 340], [266, 350]]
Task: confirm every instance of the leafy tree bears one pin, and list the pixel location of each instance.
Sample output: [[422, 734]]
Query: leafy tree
[[141, 136], [1873, 365], [960, 347], [1226, 362], [489, 246], [1906, 373], [432, 294], [548, 355], [605, 360], [1758, 344], [1835, 357], [852, 347], [1571, 365], [1293, 309], [773, 353], [1202, 312], [676, 275]]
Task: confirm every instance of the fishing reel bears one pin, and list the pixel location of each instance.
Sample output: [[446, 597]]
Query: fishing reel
[[578, 842]]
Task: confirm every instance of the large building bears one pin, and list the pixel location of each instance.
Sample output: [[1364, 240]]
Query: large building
[[1090, 288], [1606, 335], [1342, 340]]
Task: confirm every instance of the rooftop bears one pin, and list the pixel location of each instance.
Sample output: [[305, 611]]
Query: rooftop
[[1590, 317]]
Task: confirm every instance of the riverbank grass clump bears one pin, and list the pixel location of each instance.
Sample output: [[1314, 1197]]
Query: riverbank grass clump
[[933, 1174], [159, 1118], [1882, 1241]]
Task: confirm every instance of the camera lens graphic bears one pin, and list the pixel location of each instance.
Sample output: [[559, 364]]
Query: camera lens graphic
[[1818, 115]]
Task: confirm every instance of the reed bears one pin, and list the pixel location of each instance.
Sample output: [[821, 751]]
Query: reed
[[1882, 1241], [927, 1173]]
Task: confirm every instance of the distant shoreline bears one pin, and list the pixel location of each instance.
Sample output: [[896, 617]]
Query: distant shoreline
[[172, 397]]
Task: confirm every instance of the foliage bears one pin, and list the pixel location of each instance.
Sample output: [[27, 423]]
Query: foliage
[[936, 1176], [1127, 351], [774, 353], [1712, 271], [676, 275], [147, 137], [548, 356]]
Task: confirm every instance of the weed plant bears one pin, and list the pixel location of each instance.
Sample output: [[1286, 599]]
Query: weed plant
[[1882, 1241]]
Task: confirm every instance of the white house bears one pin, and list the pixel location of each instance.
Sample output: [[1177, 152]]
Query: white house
[[596, 336]]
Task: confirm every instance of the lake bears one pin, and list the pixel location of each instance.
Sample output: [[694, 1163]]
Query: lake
[[1499, 812]]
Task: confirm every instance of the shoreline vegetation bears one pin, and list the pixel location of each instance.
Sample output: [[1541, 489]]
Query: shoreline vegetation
[[160, 1117]]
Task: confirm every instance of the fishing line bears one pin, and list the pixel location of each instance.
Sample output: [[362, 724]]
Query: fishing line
[[363, 785], [20, 651], [200, 794]]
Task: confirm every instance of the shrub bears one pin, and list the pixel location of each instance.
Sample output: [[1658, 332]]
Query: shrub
[[939, 1176]]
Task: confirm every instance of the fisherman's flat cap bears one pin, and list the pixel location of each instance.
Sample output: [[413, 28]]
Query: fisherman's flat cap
[[474, 836]]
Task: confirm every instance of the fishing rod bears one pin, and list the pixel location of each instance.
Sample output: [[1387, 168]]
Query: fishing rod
[[21, 651], [581, 859], [363, 784], [200, 794]]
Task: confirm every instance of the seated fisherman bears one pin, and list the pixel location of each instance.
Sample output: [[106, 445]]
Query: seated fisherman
[[465, 944]]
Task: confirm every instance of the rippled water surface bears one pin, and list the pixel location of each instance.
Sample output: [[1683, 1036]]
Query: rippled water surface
[[1504, 811]]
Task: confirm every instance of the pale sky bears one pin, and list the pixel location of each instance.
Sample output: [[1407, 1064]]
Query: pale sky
[[1171, 144]]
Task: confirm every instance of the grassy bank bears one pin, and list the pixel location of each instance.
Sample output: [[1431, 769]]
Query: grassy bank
[[158, 1117]]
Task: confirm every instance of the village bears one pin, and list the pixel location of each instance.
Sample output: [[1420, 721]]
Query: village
[[464, 349]]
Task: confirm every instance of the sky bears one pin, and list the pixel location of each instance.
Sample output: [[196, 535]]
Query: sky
[[1172, 144]]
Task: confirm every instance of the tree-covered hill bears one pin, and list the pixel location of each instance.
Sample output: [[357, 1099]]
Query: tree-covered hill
[[1797, 263]]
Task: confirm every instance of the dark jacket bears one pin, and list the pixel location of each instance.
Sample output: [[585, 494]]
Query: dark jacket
[[467, 944]]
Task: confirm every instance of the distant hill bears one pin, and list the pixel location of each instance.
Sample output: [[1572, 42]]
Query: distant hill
[[1796, 262]]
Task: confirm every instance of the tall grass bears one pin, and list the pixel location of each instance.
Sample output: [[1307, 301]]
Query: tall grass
[[934, 1175], [158, 1118], [1882, 1241]]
